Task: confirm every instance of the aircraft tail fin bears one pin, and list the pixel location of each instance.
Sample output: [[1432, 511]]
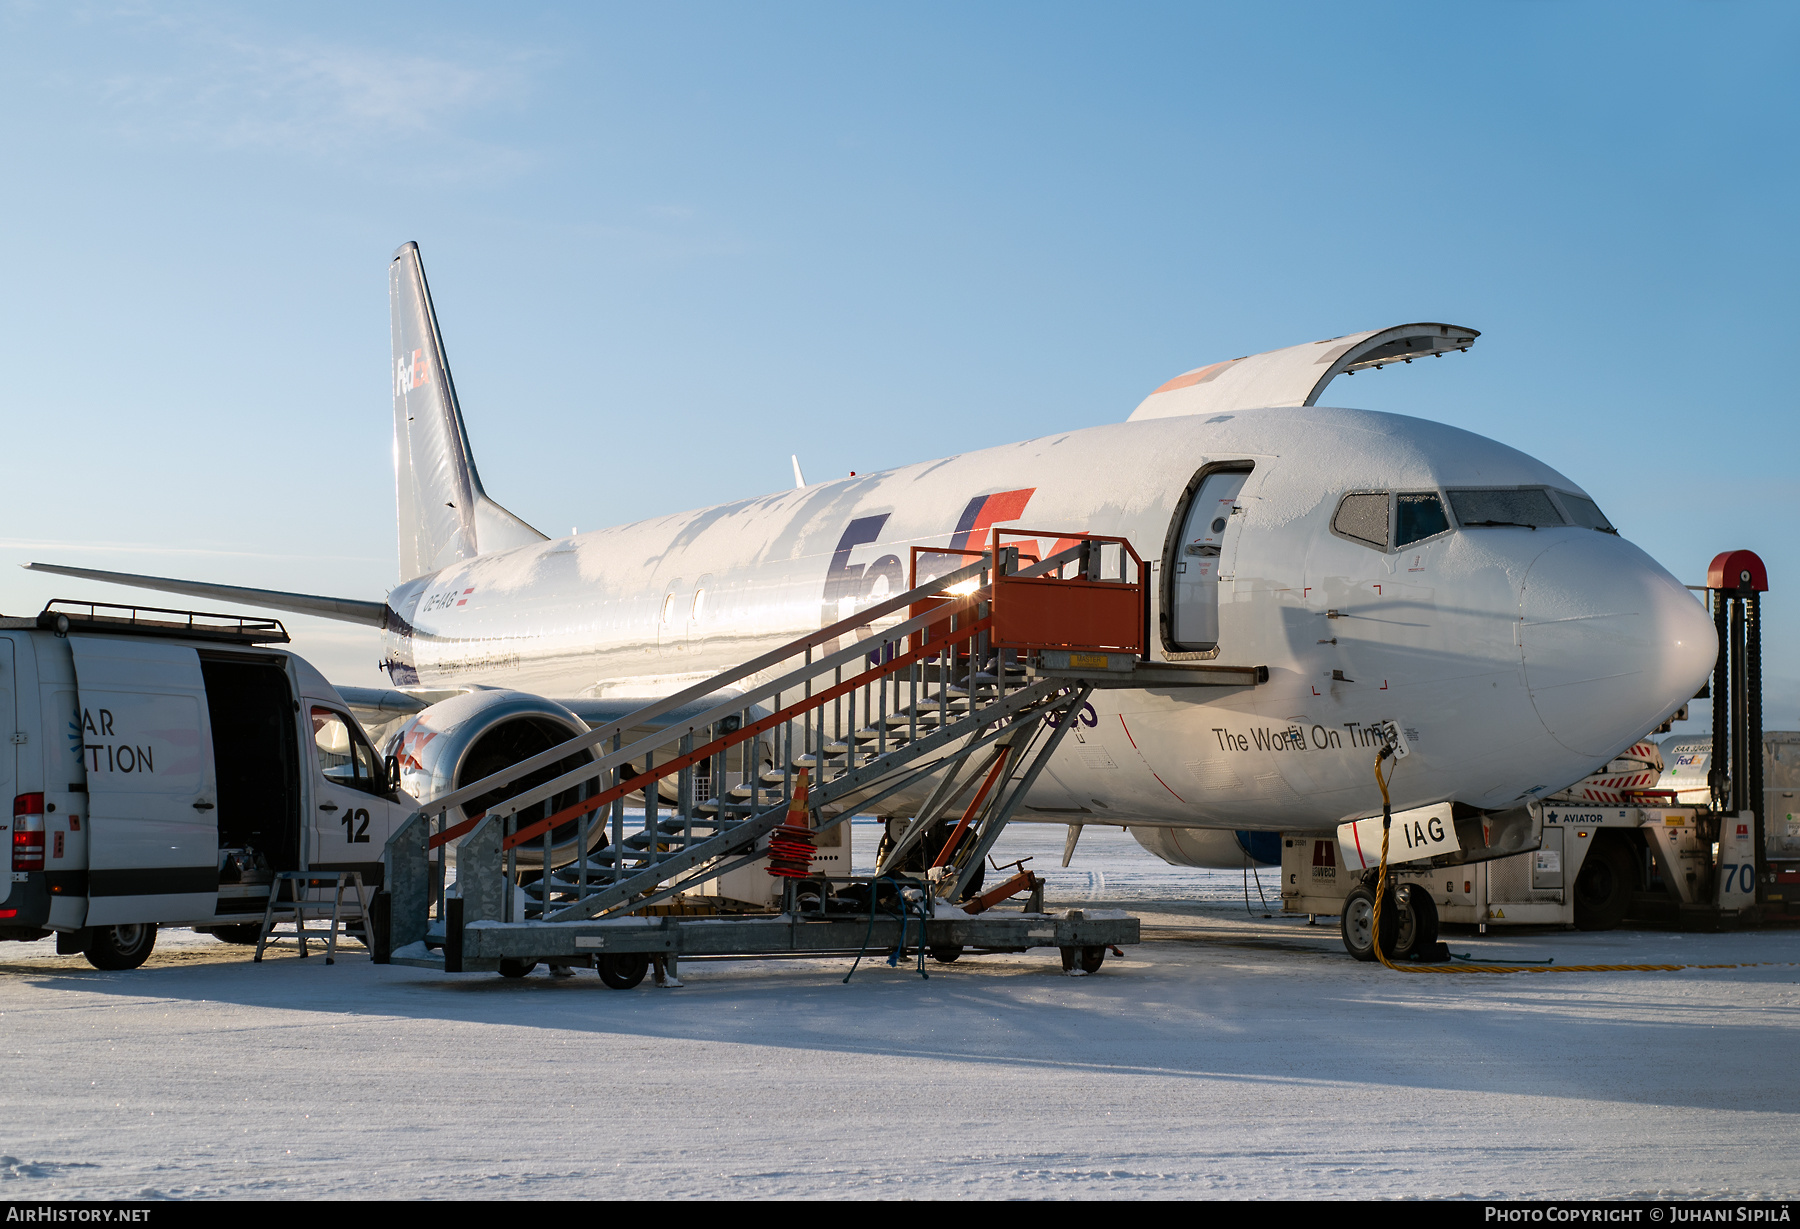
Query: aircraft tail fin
[[442, 511]]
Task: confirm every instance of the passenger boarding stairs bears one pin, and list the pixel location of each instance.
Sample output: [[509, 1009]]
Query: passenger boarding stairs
[[951, 695]]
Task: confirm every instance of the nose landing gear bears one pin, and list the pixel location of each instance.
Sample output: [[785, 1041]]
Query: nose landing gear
[[1409, 923]]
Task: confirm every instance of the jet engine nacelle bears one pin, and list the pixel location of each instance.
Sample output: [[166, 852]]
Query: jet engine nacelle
[[463, 739], [1211, 847]]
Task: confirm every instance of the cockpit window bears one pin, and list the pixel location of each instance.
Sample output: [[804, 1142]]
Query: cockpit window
[[1585, 512], [1417, 517], [1363, 518], [1527, 508]]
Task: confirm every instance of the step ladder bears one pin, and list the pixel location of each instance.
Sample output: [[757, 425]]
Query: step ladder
[[301, 886], [949, 699]]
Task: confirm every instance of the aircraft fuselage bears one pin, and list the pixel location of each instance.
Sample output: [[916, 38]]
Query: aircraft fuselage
[[1517, 658]]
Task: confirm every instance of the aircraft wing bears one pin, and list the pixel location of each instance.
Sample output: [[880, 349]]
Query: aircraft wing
[[343, 609]]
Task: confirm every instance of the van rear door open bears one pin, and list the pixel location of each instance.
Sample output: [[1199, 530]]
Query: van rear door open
[[147, 745]]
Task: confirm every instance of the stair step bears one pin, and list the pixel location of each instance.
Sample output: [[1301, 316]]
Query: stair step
[[930, 704], [734, 809], [812, 760]]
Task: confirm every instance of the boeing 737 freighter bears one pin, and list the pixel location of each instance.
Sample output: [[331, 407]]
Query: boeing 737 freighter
[[1381, 567]]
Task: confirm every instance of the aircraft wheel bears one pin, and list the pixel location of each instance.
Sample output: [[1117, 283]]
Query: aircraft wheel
[[115, 948], [947, 953], [1092, 958], [1418, 922], [517, 968], [245, 935], [1603, 889], [623, 970], [1357, 924]]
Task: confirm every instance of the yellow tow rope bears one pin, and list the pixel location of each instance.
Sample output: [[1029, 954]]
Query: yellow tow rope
[[1387, 817]]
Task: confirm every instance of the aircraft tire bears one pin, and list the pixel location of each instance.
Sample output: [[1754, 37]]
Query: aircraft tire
[[117, 948], [1355, 924], [1418, 923], [1092, 958], [516, 968], [1603, 889], [623, 970]]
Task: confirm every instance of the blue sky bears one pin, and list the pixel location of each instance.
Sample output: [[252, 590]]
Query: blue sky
[[672, 244]]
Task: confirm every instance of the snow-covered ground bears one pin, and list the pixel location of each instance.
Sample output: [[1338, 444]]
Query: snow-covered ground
[[1228, 1055]]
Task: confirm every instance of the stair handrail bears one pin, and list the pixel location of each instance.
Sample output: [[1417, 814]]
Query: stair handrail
[[737, 704], [644, 780], [950, 609], [702, 689], [945, 610]]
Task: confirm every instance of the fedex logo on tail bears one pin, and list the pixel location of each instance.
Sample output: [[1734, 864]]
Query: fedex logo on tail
[[410, 373]]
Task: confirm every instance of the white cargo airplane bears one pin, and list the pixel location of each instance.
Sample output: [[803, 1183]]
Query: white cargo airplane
[[1381, 567]]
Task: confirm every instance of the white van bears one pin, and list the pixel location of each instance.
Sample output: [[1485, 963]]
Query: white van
[[163, 766]]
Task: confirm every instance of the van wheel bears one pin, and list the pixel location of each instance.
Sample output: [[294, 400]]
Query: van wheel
[[1603, 889], [623, 970], [114, 948], [245, 935]]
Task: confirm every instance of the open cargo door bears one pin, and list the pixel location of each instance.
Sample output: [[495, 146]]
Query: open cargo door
[[1297, 375], [153, 848]]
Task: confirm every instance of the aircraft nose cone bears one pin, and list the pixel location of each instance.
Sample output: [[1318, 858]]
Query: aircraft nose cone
[[1612, 644]]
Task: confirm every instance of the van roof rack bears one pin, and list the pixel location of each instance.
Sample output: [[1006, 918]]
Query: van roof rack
[[64, 615]]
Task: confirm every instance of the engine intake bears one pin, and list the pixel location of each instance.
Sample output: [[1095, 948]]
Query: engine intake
[[463, 739]]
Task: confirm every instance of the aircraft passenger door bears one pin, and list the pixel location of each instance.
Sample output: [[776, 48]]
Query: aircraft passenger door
[[352, 817], [153, 833], [1199, 554]]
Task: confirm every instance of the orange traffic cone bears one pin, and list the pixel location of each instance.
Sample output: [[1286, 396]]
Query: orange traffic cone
[[791, 845]]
